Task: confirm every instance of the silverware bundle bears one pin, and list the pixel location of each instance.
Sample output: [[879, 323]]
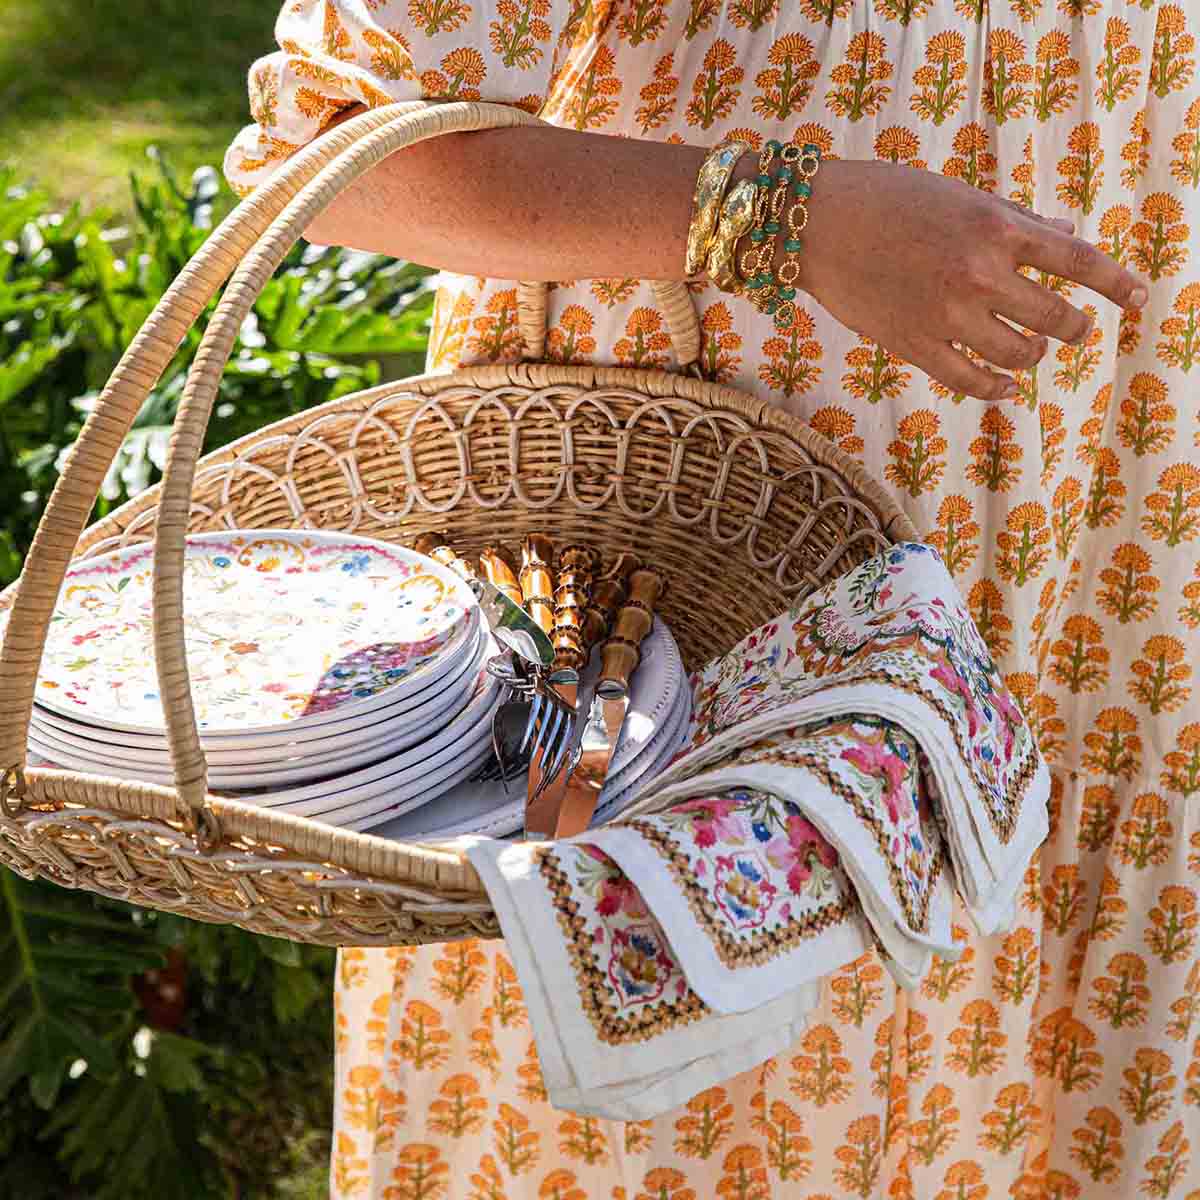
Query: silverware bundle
[[548, 615]]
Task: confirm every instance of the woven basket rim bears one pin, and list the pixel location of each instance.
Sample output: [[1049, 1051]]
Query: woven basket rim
[[894, 522]]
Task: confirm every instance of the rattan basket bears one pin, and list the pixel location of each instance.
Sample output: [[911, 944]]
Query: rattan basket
[[743, 507]]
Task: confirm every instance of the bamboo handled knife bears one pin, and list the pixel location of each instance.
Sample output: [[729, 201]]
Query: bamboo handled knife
[[602, 729]]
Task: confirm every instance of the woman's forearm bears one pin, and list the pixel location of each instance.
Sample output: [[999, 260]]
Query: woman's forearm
[[525, 203], [920, 263]]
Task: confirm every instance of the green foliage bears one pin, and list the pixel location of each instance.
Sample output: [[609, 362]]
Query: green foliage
[[96, 1101], [143, 1055], [74, 292], [88, 86]]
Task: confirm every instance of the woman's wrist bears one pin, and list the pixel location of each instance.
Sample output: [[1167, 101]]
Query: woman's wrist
[[819, 235]]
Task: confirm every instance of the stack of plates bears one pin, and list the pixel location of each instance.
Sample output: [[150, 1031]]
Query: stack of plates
[[334, 677], [330, 674]]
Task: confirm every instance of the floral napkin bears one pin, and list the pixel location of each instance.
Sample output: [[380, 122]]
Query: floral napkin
[[850, 764], [892, 639]]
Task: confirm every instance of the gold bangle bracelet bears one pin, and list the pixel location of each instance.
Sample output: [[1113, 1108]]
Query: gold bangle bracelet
[[737, 217], [711, 182]]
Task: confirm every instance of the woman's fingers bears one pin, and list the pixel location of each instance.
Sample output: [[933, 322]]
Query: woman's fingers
[[1063, 223], [1003, 346], [1041, 310], [1078, 260], [953, 369]]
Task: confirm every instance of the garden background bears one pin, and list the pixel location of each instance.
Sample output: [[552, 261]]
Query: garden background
[[143, 1055]]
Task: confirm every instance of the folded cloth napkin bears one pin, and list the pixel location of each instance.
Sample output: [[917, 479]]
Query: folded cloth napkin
[[839, 756], [619, 1031], [891, 638]]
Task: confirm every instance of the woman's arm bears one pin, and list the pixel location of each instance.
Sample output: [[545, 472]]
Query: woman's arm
[[525, 203], [914, 260]]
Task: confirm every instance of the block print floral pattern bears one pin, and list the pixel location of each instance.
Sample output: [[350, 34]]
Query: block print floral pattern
[[870, 772], [1059, 1060], [759, 877], [878, 624]]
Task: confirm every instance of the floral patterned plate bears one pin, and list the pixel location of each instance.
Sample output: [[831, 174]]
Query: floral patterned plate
[[388, 730], [407, 768], [282, 627], [323, 732], [300, 765]]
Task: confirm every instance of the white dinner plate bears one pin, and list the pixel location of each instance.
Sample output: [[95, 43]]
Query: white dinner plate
[[406, 797], [486, 808], [229, 766], [297, 770], [288, 771], [466, 730]]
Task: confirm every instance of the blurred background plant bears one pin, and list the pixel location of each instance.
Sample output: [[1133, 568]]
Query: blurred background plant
[[144, 1055]]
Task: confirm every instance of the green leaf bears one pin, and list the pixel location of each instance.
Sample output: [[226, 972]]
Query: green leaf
[[286, 954], [138, 1136], [72, 987], [44, 1087], [294, 993], [25, 367], [175, 1059]]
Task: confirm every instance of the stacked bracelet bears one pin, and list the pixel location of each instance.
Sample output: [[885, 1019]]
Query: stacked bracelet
[[771, 294], [765, 208], [806, 160], [737, 216]]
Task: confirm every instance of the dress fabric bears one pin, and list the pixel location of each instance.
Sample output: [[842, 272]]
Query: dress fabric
[[1057, 1061]]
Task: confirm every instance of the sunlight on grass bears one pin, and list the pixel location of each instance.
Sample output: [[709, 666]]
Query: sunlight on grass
[[88, 86]]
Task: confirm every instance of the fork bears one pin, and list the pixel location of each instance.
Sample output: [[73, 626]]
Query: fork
[[586, 609], [554, 717], [576, 626]]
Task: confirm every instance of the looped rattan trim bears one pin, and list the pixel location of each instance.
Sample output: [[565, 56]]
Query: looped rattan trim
[[13, 789]]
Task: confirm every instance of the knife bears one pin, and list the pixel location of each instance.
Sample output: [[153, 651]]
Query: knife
[[501, 573], [512, 626], [600, 610], [606, 716]]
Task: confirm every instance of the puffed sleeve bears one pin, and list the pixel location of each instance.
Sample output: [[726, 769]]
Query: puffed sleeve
[[339, 54]]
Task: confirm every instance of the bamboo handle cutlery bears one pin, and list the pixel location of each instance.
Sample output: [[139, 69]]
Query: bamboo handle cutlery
[[548, 614]]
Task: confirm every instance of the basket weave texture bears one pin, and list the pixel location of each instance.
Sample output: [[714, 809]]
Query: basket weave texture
[[744, 509]]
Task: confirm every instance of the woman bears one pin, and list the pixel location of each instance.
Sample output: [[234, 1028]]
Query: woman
[[1058, 473]]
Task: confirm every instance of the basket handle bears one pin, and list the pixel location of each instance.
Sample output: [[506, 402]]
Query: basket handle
[[136, 374], [358, 148]]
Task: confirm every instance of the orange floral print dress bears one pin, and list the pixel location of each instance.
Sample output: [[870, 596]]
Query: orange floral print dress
[[1059, 1061]]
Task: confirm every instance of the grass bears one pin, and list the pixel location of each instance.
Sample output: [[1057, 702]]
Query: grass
[[89, 85]]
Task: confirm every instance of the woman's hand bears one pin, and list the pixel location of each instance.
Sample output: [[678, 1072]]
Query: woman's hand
[[918, 262]]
